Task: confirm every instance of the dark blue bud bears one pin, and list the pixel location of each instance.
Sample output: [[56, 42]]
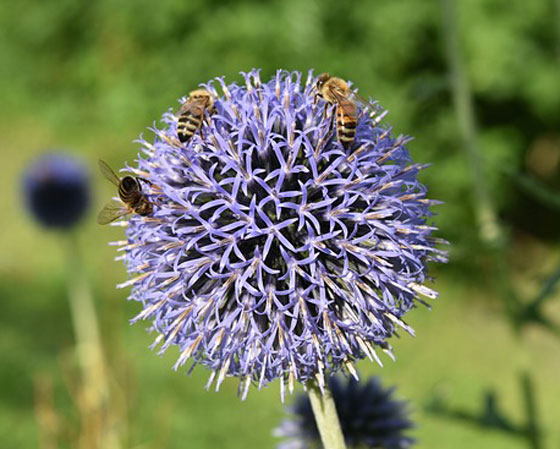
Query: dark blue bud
[[369, 415], [57, 190]]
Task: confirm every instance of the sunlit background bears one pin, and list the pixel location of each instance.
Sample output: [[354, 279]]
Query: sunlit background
[[477, 85]]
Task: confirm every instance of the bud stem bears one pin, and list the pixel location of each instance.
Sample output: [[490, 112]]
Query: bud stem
[[89, 352], [326, 417]]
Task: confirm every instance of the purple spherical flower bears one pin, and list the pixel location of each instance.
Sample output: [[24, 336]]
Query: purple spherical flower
[[369, 417], [272, 251], [56, 189]]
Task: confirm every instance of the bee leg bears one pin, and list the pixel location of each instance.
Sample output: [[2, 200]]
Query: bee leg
[[332, 121], [150, 183], [199, 131], [328, 113]]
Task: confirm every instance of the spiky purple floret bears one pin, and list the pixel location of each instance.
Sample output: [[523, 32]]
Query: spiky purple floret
[[369, 416], [272, 251]]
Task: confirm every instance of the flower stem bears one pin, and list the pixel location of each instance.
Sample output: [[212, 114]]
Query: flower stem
[[89, 353], [325, 416], [84, 321]]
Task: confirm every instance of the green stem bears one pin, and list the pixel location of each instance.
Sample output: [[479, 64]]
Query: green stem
[[533, 431], [84, 321], [89, 349], [325, 416], [557, 20], [462, 98]]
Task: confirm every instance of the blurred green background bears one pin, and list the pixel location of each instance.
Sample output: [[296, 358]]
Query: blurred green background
[[91, 76]]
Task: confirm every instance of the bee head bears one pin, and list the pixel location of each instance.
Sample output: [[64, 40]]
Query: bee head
[[202, 97], [322, 79], [199, 94]]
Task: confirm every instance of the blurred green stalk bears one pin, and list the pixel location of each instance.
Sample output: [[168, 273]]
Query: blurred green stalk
[[557, 17], [326, 417], [486, 216], [89, 350], [533, 432], [489, 229]]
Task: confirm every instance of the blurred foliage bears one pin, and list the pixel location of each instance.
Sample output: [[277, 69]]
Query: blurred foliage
[[489, 416], [492, 417], [93, 75]]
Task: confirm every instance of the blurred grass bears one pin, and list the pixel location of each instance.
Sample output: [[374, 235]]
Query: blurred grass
[[91, 76]]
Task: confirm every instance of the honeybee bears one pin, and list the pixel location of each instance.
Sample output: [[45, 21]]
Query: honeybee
[[130, 193], [191, 113], [336, 91]]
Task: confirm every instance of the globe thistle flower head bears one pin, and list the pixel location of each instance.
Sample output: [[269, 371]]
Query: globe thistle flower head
[[56, 188], [369, 416], [272, 251]]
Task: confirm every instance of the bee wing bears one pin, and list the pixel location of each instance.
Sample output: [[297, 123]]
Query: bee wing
[[344, 101], [348, 107], [338, 94], [354, 98], [363, 103], [183, 108], [110, 212], [108, 172]]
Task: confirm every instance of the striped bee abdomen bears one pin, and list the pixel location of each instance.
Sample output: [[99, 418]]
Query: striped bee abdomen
[[129, 190], [346, 122], [188, 123]]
